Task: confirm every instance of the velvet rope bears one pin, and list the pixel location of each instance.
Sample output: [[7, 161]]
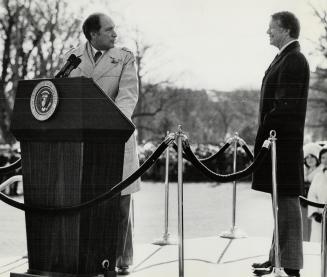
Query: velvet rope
[[11, 167], [114, 191], [248, 152], [229, 177], [311, 203], [208, 159]]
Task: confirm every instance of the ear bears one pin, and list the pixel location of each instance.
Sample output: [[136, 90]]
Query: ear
[[93, 34]]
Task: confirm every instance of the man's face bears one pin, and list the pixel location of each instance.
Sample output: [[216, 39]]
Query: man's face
[[104, 39], [277, 34]]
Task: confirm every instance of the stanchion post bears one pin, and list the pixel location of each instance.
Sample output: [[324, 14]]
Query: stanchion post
[[234, 231], [323, 243], [166, 239], [179, 137], [234, 183], [278, 271]]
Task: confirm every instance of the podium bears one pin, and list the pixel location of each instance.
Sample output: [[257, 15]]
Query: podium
[[72, 144]]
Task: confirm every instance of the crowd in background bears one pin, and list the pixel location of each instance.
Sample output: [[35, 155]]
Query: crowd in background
[[315, 177]]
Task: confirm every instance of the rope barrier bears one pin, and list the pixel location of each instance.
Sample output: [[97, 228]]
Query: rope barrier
[[114, 191], [11, 180], [246, 148], [306, 201], [208, 159], [229, 177], [216, 155], [11, 167]]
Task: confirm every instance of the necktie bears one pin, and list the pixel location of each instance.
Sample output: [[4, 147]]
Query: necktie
[[97, 56]]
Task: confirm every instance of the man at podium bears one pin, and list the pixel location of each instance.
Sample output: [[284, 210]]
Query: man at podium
[[113, 69]]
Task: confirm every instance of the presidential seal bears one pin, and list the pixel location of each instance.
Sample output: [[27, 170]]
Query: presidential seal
[[44, 100]]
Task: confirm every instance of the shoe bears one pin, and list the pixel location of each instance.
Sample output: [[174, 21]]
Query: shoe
[[263, 265], [123, 270], [260, 269], [260, 272], [292, 272]]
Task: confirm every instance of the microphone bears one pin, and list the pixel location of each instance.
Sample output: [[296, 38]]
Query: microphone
[[72, 63], [72, 66]]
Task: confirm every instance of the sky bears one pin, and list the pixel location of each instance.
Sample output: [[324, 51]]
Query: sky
[[210, 44]]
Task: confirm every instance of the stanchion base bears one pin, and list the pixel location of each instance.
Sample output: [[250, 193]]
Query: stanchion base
[[165, 240], [277, 272], [233, 233]]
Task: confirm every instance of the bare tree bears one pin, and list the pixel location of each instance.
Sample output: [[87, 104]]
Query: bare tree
[[317, 104], [152, 97], [34, 35]]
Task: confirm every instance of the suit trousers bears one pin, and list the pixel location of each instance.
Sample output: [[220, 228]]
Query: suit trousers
[[125, 232], [290, 233]]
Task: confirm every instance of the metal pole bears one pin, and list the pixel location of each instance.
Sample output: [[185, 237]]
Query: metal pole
[[234, 231], [180, 204], [278, 271], [323, 243], [166, 234], [234, 183], [166, 240]]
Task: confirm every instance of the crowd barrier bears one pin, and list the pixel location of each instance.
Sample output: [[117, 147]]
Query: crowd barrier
[[179, 141]]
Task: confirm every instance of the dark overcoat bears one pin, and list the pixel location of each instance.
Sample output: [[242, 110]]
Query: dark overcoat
[[283, 103]]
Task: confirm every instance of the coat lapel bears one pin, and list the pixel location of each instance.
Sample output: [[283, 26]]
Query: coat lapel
[[86, 65], [107, 62], [289, 48]]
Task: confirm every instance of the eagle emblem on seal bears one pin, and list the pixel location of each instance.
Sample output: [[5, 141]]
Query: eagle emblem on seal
[[44, 100]]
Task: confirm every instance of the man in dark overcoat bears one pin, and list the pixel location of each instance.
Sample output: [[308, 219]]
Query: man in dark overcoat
[[283, 102]]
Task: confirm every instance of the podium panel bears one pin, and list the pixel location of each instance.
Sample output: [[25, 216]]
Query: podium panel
[[67, 160]]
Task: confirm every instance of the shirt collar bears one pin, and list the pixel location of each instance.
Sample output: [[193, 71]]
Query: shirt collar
[[93, 50], [287, 44]]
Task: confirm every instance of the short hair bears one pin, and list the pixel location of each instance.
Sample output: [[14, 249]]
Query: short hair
[[322, 152], [313, 156], [92, 24], [288, 21]]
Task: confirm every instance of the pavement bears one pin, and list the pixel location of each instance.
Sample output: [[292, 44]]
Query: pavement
[[205, 257], [207, 212]]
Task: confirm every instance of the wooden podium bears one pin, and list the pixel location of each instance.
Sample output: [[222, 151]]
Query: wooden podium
[[72, 156]]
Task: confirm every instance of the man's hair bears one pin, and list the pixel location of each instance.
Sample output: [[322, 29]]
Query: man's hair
[[92, 24], [289, 21]]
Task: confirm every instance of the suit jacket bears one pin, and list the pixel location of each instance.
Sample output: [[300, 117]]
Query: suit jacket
[[115, 73], [283, 103]]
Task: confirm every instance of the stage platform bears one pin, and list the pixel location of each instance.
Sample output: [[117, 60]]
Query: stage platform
[[205, 257]]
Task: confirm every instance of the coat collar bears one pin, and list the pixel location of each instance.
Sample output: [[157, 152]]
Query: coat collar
[[294, 46], [107, 61]]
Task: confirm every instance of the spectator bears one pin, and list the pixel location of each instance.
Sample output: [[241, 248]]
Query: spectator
[[318, 193], [311, 163], [311, 167]]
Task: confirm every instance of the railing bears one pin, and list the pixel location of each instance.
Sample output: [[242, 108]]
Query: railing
[[183, 150]]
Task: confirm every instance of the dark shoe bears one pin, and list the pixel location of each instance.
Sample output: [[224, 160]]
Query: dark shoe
[[292, 272], [260, 272], [123, 270], [263, 265]]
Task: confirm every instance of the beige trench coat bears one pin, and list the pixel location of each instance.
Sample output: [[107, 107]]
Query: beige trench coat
[[115, 73]]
